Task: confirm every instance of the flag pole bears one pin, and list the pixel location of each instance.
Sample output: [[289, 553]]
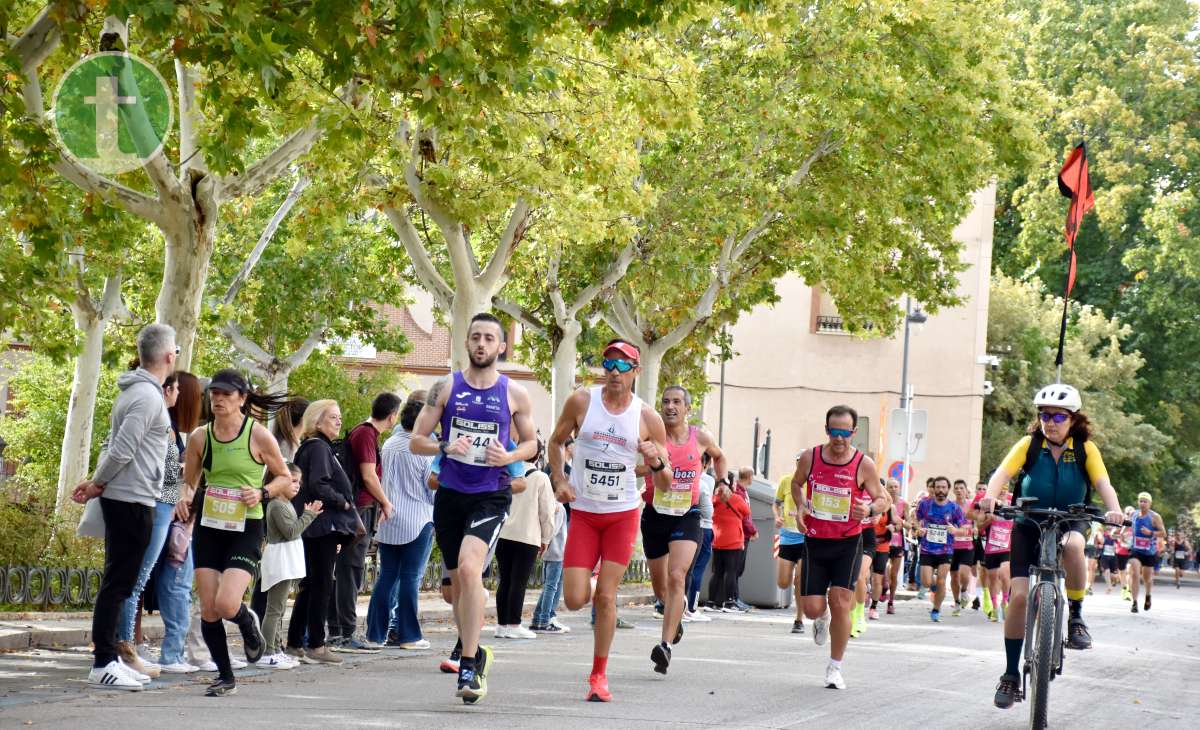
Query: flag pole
[[1062, 331]]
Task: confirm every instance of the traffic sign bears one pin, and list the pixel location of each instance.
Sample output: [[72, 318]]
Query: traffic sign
[[897, 424], [895, 471]]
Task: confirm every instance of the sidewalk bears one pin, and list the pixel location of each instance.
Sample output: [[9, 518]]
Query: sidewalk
[[50, 630]]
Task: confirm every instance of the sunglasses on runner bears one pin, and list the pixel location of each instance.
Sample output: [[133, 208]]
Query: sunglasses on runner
[[843, 433], [618, 364], [1056, 417]]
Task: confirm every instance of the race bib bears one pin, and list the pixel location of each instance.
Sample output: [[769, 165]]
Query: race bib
[[936, 534], [1143, 544], [898, 538], [1110, 550], [1181, 555], [1000, 536], [677, 500], [224, 509], [831, 503], [481, 434], [603, 481]]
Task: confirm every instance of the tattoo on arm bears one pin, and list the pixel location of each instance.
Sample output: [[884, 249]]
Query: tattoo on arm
[[435, 392]]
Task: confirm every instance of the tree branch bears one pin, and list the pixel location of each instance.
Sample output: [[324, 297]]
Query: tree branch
[[557, 303], [616, 271], [190, 154], [426, 272], [265, 238], [112, 306], [260, 174], [623, 319], [247, 347], [298, 358], [43, 35], [456, 242], [493, 273], [827, 146], [521, 314]]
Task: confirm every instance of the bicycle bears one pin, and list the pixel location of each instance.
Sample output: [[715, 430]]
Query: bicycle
[[1044, 643]]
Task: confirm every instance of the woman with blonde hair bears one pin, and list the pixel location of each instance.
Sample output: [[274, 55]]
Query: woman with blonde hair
[[324, 481]]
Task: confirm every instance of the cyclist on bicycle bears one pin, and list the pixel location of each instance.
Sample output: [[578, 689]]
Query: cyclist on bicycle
[[1047, 465]]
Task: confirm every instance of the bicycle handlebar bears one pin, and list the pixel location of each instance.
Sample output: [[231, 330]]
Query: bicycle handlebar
[[1074, 513]]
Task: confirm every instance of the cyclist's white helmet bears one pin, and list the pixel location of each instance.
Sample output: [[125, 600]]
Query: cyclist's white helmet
[[1059, 395]]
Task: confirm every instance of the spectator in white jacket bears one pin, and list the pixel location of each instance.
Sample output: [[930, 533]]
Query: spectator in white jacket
[[525, 535]]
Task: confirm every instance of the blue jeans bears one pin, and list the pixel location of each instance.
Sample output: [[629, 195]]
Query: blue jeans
[[696, 577], [174, 591], [393, 607], [163, 513], [552, 588]]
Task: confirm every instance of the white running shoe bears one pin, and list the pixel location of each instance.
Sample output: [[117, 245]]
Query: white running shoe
[[180, 668], [562, 627], [700, 617], [207, 666], [113, 675], [276, 661], [833, 678], [418, 645], [821, 629], [503, 632], [143, 678], [236, 663], [687, 617], [520, 632]]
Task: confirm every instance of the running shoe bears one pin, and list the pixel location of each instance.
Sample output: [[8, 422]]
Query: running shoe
[[891, 608], [661, 656], [113, 675], [547, 629], [798, 626], [472, 683], [221, 688], [449, 666], [623, 624], [253, 640], [1008, 691], [935, 616], [975, 604], [821, 629], [700, 617], [1133, 608], [501, 632], [957, 610], [1146, 606], [179, 668], [356, 645], [1077, 634], [658, 610], [922, 594], [1126, 595], [562, 628], [873, 614], [833, 678], [276, 661], [520, 632], [598, 689]]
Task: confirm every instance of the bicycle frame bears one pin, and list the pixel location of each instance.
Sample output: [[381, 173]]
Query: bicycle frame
[[1048, 570]]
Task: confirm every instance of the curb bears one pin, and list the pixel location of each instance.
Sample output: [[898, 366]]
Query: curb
[[37, 631]]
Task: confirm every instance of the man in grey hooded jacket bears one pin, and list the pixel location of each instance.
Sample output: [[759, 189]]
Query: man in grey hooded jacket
[[128, 477]]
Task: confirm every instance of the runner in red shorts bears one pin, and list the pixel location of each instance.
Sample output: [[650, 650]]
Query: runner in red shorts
[[612, 428]]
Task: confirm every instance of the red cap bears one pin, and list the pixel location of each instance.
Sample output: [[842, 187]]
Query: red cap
[[625, 349]]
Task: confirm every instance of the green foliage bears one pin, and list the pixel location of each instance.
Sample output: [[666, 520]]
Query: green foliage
[[322, 377], [33, 430], [1023, 317]]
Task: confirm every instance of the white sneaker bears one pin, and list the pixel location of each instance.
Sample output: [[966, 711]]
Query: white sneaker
[[113, 675], [502, 632], [418, 645], [700, 617], [207, 666], [180, 668], [687, 617], [520, 632], [562, 627], [833, 678], [821, 629], [143, 678], [236, 663], [276, 661]]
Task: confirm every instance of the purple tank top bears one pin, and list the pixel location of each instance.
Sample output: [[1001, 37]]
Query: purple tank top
[[482, 416]]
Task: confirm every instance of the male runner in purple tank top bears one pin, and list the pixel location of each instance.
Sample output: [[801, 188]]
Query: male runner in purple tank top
[[475, 411]]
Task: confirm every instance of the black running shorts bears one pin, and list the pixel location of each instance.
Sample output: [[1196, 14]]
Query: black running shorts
[[1024, 546], [830, 563], [930, 560], [961, 558], [879, 563], [222, 550], [659, 530], [895, 551], [791, 553], [993, 561], [456, 515]]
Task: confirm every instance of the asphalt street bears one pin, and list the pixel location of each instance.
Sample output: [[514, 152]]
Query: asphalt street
[[739, 671]]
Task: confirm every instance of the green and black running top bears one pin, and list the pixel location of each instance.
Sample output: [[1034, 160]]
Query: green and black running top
[[1056, 484], [231, 464]]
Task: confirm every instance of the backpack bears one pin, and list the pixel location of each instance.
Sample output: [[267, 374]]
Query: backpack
[[1036, 441], [345, 457]]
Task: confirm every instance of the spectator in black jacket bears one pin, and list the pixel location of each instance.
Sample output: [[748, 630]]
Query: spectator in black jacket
[[334, 529]]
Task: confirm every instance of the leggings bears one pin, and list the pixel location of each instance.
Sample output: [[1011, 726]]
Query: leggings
[[515, 560], [722, 586], [312, 600]]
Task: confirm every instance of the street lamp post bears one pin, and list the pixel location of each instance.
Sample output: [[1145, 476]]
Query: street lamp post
[[910, 318]]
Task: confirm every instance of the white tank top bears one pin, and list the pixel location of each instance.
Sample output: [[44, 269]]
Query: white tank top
[[606, 451]]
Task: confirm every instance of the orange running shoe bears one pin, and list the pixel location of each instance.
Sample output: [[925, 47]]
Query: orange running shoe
[[598, 689]]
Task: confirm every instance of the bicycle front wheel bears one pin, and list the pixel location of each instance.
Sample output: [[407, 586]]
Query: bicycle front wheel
[[1042, 667]]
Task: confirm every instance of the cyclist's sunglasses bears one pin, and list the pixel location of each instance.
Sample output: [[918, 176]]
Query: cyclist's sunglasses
[[843, 433], [1056, 417], [618, 364]]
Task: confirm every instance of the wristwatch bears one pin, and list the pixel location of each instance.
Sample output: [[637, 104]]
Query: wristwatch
[[662, 464], [442, 446], [266, 496]]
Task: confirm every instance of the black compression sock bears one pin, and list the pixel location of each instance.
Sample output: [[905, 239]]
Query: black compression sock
[[1075, 608], [1012, 654], [242, 619], [874, 603], [214, 638]]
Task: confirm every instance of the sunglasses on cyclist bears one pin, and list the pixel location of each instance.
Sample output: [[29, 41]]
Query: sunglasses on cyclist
[[1056, 417], [843, 433], [618, 364]]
